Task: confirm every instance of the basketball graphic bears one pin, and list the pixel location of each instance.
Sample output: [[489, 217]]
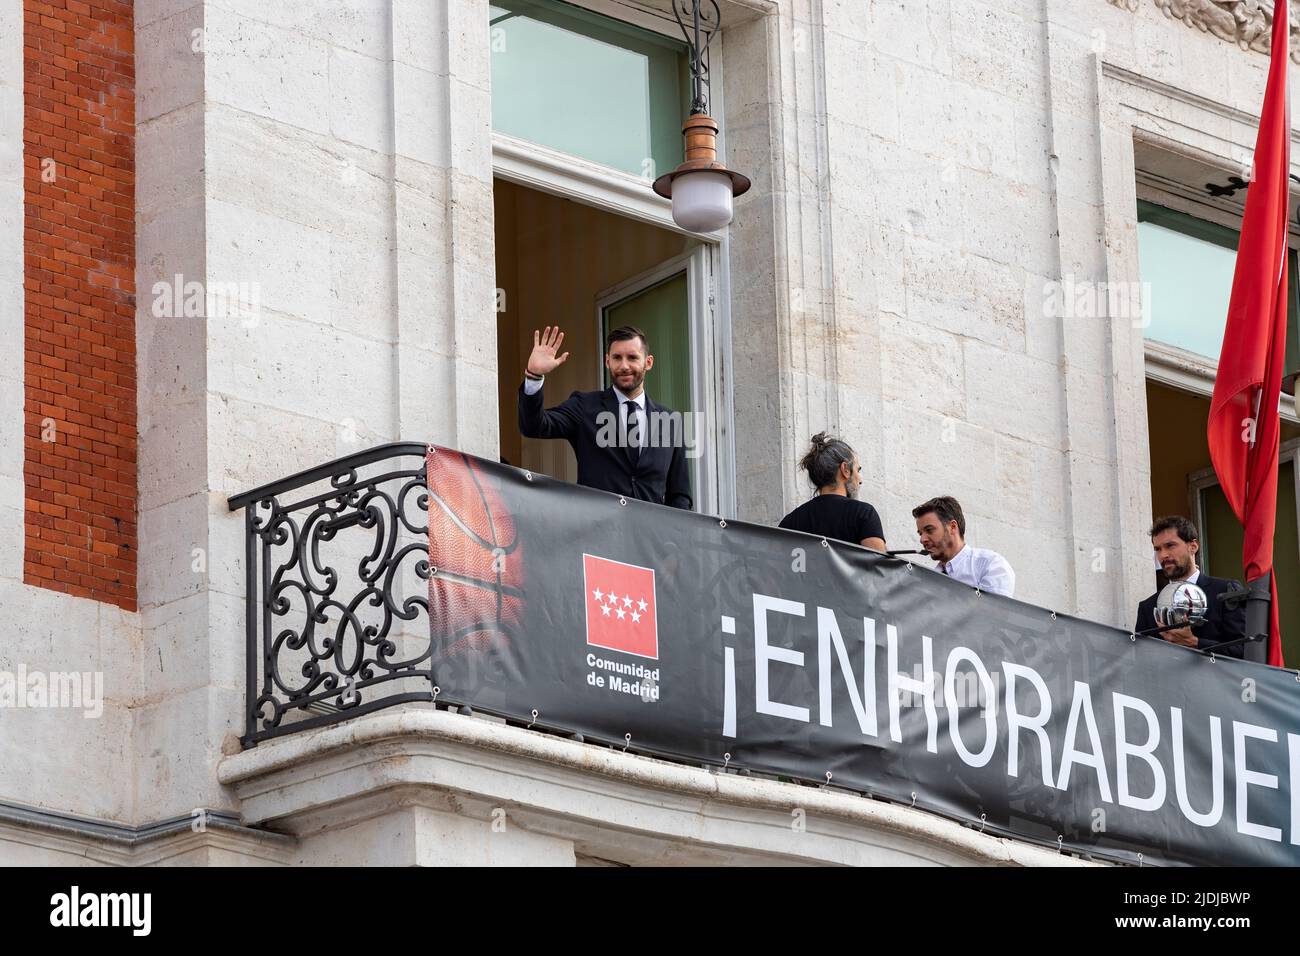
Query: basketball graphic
[[476, 579]]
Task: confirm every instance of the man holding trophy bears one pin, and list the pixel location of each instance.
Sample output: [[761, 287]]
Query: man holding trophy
[[1176, 543]]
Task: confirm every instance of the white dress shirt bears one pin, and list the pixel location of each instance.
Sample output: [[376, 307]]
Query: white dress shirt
[[983, 569]]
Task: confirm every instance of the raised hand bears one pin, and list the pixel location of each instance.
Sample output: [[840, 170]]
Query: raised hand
[[543, 360]]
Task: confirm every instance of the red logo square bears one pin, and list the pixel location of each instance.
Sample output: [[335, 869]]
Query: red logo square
[[620, 606]]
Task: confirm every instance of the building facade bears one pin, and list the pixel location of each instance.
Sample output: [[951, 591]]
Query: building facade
[[239, 240]]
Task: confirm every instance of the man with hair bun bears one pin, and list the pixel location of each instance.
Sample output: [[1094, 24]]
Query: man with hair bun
[[834, 511]]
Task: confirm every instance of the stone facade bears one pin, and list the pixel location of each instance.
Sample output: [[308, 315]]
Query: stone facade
[[924, 170]]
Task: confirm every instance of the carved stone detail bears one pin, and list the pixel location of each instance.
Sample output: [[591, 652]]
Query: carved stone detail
[[1247, 23]]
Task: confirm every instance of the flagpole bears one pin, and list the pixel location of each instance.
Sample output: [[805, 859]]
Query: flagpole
[[1258, 622]]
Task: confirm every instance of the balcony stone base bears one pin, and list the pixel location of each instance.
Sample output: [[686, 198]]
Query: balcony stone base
[[435, 788]]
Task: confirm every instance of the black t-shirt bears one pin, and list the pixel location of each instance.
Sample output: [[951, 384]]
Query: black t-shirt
[[836, 516]]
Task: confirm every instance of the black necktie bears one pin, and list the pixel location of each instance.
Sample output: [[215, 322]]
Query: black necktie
[[632, 430]]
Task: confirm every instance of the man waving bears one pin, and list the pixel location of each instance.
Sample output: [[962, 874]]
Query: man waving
[[624, 442]]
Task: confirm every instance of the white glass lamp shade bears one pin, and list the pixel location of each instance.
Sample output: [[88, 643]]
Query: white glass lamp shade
[[702, 200]]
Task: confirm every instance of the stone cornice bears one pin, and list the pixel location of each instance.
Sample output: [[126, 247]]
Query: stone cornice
[[34, 834]]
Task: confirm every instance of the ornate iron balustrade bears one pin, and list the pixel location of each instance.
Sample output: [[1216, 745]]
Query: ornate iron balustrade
[[325, 643]]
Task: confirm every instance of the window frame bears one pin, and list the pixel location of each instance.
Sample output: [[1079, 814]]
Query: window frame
[[1177, 367], [583, 180]]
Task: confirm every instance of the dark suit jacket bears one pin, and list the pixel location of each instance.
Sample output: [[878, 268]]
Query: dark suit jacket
[[1221, 623], [660, 473]]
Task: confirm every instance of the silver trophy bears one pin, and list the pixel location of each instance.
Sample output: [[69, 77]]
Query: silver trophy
[[1181, 605]]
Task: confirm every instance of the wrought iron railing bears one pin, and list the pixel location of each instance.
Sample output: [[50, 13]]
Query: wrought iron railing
[[337, 570]]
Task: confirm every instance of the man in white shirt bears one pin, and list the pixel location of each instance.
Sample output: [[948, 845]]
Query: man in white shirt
[[942, 529]]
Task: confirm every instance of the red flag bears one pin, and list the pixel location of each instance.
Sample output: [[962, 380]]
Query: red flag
[[1244, 425]]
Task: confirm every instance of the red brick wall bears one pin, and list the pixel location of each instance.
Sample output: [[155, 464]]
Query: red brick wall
[[79, 261]]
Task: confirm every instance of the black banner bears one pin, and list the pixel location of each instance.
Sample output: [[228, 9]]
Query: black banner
[[742, 645]]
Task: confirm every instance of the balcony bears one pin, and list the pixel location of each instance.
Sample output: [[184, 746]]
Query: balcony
[[337, 633], [336, 568], [801, 739]]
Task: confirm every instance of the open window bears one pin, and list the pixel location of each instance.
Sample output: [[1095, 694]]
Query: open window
[[581, 240], [670, 304]]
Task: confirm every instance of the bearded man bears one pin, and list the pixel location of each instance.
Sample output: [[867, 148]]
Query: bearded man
[[624, 442]]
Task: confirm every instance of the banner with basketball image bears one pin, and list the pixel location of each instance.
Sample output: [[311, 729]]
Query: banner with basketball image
[[745, 646]]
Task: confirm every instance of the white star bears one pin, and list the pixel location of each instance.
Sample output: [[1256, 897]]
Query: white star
[[627, 602], [597, 595], [605, 609], [621, 614], [636, 618], [642, 605]]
